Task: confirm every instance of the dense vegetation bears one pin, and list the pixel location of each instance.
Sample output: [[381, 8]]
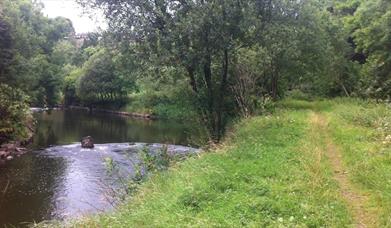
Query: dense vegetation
[[237, 55], [209, 60], [14, 113]]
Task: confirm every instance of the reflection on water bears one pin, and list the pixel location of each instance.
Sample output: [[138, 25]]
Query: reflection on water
[[64, 127], [28, 186], [63, 181]]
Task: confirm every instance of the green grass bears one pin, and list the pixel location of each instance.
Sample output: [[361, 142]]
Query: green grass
[[272, 172], [362, 130], [165, 106]]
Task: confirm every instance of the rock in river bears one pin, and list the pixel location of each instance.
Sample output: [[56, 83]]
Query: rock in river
[[87, 142]]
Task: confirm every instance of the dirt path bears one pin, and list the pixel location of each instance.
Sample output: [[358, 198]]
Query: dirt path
[[355, 199]]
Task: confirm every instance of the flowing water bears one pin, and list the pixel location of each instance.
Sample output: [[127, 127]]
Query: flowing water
[[59, 180]]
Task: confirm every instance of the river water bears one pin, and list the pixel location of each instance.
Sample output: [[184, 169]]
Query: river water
[[58, 179]]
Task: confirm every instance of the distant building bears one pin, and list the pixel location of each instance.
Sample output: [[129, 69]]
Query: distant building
[[78, 39]]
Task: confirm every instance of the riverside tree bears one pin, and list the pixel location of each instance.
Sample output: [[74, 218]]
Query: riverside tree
[[27, 41], [101, 80], [206, 38]]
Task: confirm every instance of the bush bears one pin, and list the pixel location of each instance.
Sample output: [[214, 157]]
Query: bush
[[177, 104], [297, 94], [14, 112]]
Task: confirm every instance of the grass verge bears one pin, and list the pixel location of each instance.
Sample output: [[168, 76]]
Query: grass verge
[[362, 129]]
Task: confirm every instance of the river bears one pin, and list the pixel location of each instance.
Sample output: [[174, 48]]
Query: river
[[58, 179]]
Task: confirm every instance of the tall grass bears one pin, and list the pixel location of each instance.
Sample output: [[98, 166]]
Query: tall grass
[[362, 129]]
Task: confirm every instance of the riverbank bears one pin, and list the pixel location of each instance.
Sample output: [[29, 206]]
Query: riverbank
[[99, 110], [16, 148], [309, 164], [115, 112], [11, 150], [57, 179]]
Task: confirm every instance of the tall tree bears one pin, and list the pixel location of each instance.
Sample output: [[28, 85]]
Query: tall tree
[[6, 53], [201, 36], [27, 40], [372, 35]]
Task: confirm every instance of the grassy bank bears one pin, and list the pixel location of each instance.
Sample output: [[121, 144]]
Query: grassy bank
[[173, 105], [276, 171], [363, 131]]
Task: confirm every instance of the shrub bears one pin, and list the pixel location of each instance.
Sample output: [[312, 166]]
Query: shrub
[[297, 94], [14, 112]]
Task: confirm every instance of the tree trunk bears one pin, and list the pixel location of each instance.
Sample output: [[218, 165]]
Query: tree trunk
[[193, 83], [274, 82], [345, 90], [220, 102], [208, 81], [209, 117]]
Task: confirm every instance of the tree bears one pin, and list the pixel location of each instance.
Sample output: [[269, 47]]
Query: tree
[[58, 29], [372, 23], [249, 85], [70, 86], [14, 114], [30, 39], [101, 81], [199, 36], [6, 54], [63, 53], [47, 81]]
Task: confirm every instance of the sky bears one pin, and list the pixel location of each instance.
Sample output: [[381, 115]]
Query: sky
[[70, 9]]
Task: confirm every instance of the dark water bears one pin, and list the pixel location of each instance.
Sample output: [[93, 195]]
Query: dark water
[[64, 127], [60, 180]]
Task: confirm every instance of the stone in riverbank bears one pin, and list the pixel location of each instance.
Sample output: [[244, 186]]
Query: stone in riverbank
[[3, 154], [87, 142], [10, 150], [120, 113]]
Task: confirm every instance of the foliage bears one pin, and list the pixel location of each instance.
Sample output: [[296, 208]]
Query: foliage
[[46, 81], [70, 86], [225, 47], [30, 59], [14, 112], [247, 86], [123, 186], [102, 80], [228, 58], [149, 162], [156, 95], [155, 160], [64, 53], [368, 24]]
